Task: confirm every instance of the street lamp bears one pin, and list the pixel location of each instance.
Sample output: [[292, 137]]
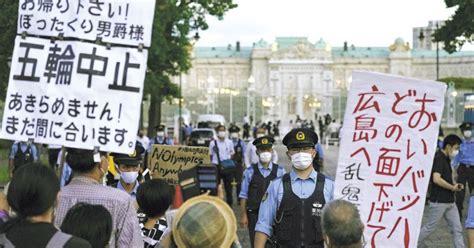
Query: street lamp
[[421, 37]]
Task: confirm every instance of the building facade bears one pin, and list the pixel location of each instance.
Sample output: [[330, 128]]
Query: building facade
[[294, 77]]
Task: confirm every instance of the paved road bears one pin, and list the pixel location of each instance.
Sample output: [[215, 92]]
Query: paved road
[[441, 238]]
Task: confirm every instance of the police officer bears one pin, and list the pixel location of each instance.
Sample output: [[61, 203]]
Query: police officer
[[465, 159], [128, 166], [238, 157], [160, 138], [294, 202], [256, 180], [21, 153]]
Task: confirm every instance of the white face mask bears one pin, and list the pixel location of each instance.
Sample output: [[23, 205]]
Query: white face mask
[[221, 134], [301, 160], [234, 135], [260, 135], [467, 134], [160, 134], [454, 154], [129, 177], [265, 157]]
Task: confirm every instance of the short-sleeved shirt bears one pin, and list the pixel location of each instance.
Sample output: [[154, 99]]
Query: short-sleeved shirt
[[126, 230], [133, 194], [466, 153], [226, 149], [23, 147], [248, 175], [442, 166]]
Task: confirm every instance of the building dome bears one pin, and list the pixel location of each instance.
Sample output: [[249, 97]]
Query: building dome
[[399, 41]]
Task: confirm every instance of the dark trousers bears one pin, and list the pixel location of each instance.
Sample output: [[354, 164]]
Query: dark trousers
[[239, 174], [465, 174], [252, 218], [53, 157], [228, 178]]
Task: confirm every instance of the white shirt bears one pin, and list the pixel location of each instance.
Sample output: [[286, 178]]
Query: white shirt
[[226, 150], [251, 156], [145, 141], [333, 127]]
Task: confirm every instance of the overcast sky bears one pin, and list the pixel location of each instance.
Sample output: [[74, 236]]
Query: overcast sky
[[360, 22]]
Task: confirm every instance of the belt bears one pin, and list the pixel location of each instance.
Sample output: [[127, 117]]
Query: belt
[[436, 201]]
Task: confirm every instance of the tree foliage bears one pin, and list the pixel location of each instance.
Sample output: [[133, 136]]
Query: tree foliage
[[8, 20], [459, 29], [460, 82]]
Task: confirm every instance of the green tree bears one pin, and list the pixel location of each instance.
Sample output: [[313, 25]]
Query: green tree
[[459, 29], [8, 19]]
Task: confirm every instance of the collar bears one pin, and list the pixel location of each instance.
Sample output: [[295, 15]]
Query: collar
[[313, 176], [85, 179], [270, 166], [134, 191]]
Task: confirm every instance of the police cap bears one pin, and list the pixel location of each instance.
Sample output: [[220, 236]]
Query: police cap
[[300, 137], [466, 126], [134, 158], [160, 127], [263, 142], [234, 129]]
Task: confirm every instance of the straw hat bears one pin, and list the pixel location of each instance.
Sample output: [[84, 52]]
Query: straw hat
[[204, 221]]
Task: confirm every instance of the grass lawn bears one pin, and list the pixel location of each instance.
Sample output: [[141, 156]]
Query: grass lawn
[[4, 162]]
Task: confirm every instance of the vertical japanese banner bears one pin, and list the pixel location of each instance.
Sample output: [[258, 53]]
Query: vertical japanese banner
[[75, 94], [388, 145]]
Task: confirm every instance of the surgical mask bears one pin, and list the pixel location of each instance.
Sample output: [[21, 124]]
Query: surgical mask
[[454, 154], [468, 134], [129, 177], [234, 135], [260, 135], [221, 134], [160, 134], [265, 157], [301, 160]]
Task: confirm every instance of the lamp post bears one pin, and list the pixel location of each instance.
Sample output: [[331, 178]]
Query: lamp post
[[421, 37]]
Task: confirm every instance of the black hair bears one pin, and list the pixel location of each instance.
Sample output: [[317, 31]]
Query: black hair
[[33, 191], [220, 126], [90, 222], [154, 197], [81, 160], [452, 140]]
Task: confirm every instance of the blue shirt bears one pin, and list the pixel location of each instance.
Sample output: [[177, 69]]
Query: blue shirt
[[248, 174], [23, 147], [226, 150], [466, 153], [133, 194], [66, 174], [302, 188], [160, 140], [319, 151]]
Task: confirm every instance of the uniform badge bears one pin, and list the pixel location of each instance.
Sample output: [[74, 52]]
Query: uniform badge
[[265, 141], [300, 136], [317, 209], [133, 154]]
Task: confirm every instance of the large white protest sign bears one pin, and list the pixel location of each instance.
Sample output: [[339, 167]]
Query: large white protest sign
[[389, 141], [127, 22], [76, 94]]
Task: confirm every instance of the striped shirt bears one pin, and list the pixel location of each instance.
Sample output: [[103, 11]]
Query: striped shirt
[[126, 230]]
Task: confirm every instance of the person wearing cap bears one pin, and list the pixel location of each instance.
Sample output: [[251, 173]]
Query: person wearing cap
[[89, 168], [464, 161], [257, 177], [160, 138], [251, 156], [128, 166], [220, 150], [238, 157], [293, 203]]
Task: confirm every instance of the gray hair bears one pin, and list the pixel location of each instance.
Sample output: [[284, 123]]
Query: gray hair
[[342, 224]]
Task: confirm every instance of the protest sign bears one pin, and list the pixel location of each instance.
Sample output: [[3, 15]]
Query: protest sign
[[127, 22], [75, 94], [388, 144], [167, 162]]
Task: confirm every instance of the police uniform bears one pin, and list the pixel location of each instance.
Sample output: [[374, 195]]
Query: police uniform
[[293, 204], [256, 181], [23, 153], [238, 157], [134, 159], [465, 170], [160, 140]]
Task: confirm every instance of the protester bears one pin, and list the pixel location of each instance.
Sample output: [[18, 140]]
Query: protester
[[128, 167], [204, 222], [441, 204], [251, 156], [257, 178], [154, 197], [89, 222], [32, 195], [303, 190], [221, 151], [465, 160], [89, 169], [342, 226], [238, 157], [21, 153]]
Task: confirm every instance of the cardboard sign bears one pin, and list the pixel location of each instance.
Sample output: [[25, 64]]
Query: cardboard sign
[[388, 143], [167, 162]]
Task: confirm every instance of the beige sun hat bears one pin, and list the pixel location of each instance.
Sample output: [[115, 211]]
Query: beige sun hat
[[204, 221]]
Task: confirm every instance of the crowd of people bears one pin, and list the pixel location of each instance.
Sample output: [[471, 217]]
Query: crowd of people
[[92, 207]]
